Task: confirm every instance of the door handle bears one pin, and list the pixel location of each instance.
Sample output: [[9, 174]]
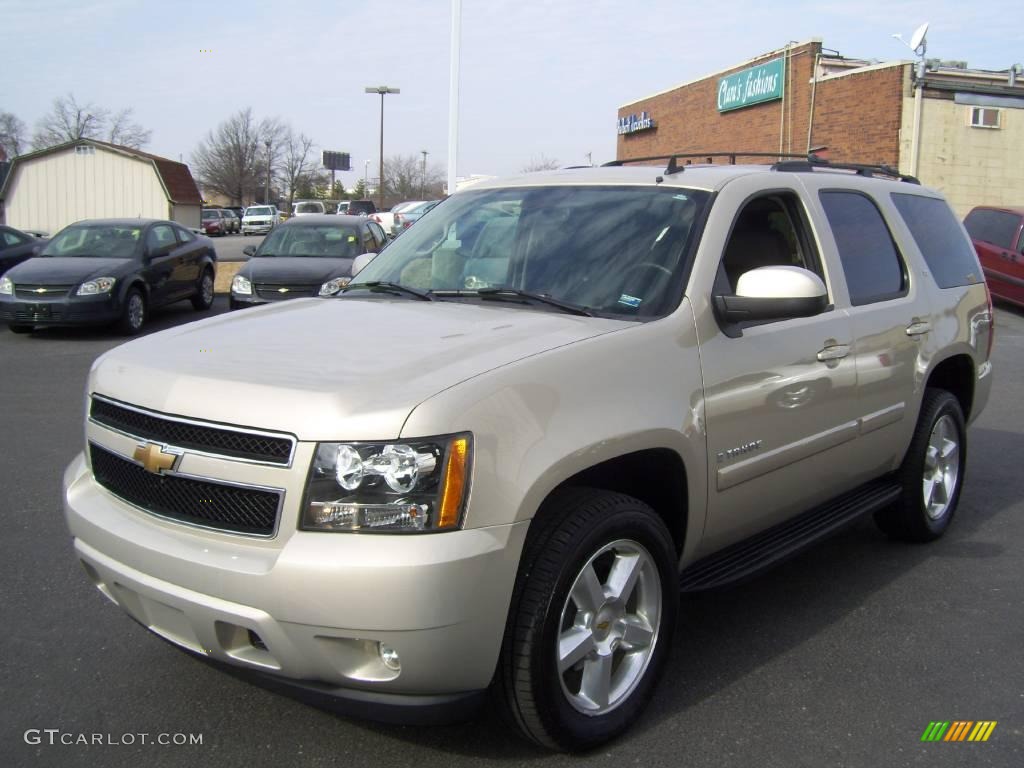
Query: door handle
[[833, 352], [918, 328]]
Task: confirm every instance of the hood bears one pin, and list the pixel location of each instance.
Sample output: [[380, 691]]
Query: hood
[[329, 369], [66, 270], [295, 269]]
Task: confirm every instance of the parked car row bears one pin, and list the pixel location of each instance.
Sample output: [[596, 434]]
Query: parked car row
[[17, 246]]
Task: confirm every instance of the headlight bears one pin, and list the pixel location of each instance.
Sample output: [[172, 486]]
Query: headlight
[[331, 287], [241, 285], [6, 286], [97, 286], [409, 486]]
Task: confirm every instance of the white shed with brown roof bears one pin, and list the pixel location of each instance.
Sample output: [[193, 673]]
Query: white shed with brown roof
[[90, 179]]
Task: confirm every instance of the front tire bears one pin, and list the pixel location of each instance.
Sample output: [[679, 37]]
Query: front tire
[[133, 315], [932, 472], [203, 298], [591, 619]]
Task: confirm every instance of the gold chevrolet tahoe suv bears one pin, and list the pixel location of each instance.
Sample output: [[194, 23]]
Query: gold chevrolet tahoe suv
[[491, 462]]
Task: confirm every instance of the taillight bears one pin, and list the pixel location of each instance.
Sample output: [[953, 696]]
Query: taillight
[[991, 322]]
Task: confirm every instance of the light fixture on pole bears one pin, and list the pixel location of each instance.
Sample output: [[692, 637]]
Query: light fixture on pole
[[382, 90], [423, 174]]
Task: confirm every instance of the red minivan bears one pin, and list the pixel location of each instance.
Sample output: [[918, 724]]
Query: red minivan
[[998, 236]]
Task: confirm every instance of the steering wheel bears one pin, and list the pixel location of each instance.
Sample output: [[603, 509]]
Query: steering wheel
[[647, 265]]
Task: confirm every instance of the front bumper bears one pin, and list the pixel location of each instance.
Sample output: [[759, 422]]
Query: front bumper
[[241, 301], [309, 609], [257, 229], [61, 310]]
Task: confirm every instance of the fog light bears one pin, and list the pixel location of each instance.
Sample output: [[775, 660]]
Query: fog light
[[390, 657]]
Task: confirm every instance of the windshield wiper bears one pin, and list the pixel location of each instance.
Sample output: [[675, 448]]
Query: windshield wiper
[[396, 288], [504, 294]]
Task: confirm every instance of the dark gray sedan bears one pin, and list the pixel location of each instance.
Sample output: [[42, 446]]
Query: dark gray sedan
[[305, 256]]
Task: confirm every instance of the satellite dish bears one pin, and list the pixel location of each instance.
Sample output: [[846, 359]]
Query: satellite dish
[[918, 39]]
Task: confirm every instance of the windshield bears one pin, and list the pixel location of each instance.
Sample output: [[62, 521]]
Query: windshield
[[210, 215], [309, 208], [262, 211], [324, 240], [612, 250], [111, 241]]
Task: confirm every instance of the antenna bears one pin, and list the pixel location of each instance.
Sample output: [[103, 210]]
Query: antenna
[[918, 39]]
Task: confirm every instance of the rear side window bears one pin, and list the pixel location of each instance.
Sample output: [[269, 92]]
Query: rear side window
[[872, 265], [996, 227], [950, 258]]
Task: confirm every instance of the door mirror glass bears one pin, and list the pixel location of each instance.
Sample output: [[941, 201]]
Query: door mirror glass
[[249, 250]]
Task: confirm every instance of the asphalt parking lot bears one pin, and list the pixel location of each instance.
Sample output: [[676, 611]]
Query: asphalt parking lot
[[230, 247], [841, 657]]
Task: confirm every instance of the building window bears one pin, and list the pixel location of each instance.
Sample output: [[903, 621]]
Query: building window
[[984, 117], [85, 149]]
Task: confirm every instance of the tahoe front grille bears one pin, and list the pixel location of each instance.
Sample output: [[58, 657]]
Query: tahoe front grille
[[204, 503], [213, 439]]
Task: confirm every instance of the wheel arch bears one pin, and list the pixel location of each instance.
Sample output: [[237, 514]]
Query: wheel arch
[[956, 375], [655, 476]]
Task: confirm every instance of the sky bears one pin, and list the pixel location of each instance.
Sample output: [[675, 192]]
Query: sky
[[538, 79]]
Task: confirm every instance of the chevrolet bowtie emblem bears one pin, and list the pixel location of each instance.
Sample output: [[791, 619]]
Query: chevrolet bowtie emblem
[[282, 290], [40, 290], [156, 458]]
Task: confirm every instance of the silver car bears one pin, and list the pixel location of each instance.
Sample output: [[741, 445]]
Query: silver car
[[494, 458]]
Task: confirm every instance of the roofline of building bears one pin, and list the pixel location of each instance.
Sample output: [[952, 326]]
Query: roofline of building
[[760, 56], [136, 154], [862, 70]]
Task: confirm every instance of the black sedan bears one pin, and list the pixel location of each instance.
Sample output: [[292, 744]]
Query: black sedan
[[305, 256], [16, 246], [108, 271]]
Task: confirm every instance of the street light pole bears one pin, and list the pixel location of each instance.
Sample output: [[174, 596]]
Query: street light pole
[[382, 90], [266, 198], [366, 177], [423, 175]]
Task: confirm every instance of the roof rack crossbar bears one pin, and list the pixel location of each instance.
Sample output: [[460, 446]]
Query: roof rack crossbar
[[812, 162], [674, 167]]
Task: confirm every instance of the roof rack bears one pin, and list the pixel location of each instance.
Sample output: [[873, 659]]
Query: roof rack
[[813, 161], [674, 167]]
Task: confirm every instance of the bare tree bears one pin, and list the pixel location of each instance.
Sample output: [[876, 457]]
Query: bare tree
[[297, 161], [542, 163], [124, 131], [68, 121], [12, 134], [227, 160], [404, 178]]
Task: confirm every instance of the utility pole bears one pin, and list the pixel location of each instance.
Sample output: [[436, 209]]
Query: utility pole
[[266, 198], [423, 174], [382, 90]]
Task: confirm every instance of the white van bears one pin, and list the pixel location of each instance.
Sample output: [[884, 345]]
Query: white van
[[307, 208]]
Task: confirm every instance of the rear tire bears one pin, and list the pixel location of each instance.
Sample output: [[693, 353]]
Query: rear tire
[[133, 315], [591, 619], [203, 298], [932, 472]]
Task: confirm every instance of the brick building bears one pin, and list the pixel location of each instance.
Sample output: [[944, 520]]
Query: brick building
[[968, 124]]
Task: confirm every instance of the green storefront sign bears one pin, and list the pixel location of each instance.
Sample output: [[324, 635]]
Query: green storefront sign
[[752, 86]]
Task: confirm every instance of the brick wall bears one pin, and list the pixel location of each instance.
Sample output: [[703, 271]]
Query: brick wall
[[856, 115]]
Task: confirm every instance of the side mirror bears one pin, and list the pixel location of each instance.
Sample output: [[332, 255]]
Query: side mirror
[[773, 293], [361, 261], [249, 250], [37, 249]]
